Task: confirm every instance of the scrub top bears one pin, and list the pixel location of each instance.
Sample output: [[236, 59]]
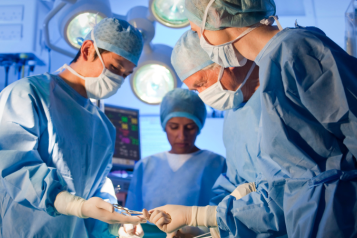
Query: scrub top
[[155, 183]]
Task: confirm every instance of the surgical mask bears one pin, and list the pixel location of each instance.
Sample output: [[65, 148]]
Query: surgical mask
[[225, 54], [103, 86], [218, 98]]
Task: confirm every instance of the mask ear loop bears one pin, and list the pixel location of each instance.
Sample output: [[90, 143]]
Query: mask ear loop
[[205, 17], [94, 42], [96, 49]]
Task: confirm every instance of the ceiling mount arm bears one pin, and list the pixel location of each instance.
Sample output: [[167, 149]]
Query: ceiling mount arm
[[46, 22]]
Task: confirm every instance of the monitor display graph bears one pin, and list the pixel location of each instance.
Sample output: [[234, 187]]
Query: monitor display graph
[[127, 143]]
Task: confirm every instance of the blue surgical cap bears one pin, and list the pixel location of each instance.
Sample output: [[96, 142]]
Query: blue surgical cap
[[188, 57], [183, 103], [119, 37], [229, 13]]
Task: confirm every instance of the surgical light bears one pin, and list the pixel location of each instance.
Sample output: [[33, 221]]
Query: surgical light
[[151, 82], [170, 13], [79, 27], [75, 19], [154, 75]]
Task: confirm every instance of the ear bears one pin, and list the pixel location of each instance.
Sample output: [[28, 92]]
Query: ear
[[87, 50]]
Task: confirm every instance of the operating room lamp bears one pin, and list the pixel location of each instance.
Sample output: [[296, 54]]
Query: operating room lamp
[[75, 20], [154, 76], [170, 13]]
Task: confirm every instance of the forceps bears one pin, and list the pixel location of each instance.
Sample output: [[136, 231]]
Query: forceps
[[126, 211]]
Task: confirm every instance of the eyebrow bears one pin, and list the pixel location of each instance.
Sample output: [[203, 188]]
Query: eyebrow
[[198, 82], [121, 65]]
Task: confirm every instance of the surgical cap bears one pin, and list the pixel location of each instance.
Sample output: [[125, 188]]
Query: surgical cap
[[119, 37], [229, 13], [188, 57], [183, 103]]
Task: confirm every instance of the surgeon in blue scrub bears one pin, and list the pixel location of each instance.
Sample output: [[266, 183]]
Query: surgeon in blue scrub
[[308, 127], [192, 64], [56, 146], [185, 174]]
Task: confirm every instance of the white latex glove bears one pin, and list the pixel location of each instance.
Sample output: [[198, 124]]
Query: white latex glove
[[131, 231], [171, 218], [243, 190], [94, 207]]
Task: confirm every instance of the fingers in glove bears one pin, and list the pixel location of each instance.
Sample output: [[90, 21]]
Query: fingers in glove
[[146, 214], [162, 222]]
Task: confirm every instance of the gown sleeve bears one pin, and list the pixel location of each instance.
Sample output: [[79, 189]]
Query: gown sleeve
[[135, 200], [106, 188], [326, 84], [24, 175]]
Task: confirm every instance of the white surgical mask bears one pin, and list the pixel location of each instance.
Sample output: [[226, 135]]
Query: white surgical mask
[[225, 54], [103, 86], [221, 99]]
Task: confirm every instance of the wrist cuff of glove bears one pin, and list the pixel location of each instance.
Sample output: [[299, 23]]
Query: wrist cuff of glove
[[69, 204], [204, 216], [243, 190]]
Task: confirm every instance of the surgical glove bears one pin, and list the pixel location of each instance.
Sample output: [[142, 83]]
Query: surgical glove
[[94, 207], [171, 218], [243, 190], [131, 231]]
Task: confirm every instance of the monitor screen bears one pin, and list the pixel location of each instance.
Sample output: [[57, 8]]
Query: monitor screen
[[127, 143]]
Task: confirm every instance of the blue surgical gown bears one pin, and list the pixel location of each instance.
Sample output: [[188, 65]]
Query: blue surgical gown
[[307, 144], [51, 139], [154, 184], [240, 137]]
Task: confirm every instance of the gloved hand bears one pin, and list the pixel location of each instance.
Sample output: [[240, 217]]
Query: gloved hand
[[171, 218], [94, 207], [97, 208], [131, 231]]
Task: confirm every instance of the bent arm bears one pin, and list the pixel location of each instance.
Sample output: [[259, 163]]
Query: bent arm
[[24, 175]]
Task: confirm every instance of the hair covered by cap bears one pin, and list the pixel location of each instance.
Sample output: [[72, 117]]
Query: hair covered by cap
[[229, 13], [119, 37], [188, 57], [182, 103]]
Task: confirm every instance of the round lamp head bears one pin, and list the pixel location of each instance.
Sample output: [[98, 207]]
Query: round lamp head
[[152, 81], [78, 19], [79, 27], [170, 13]]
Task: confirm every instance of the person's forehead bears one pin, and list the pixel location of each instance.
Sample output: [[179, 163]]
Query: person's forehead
[[181, 120], [122, 60], [194, 78]]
